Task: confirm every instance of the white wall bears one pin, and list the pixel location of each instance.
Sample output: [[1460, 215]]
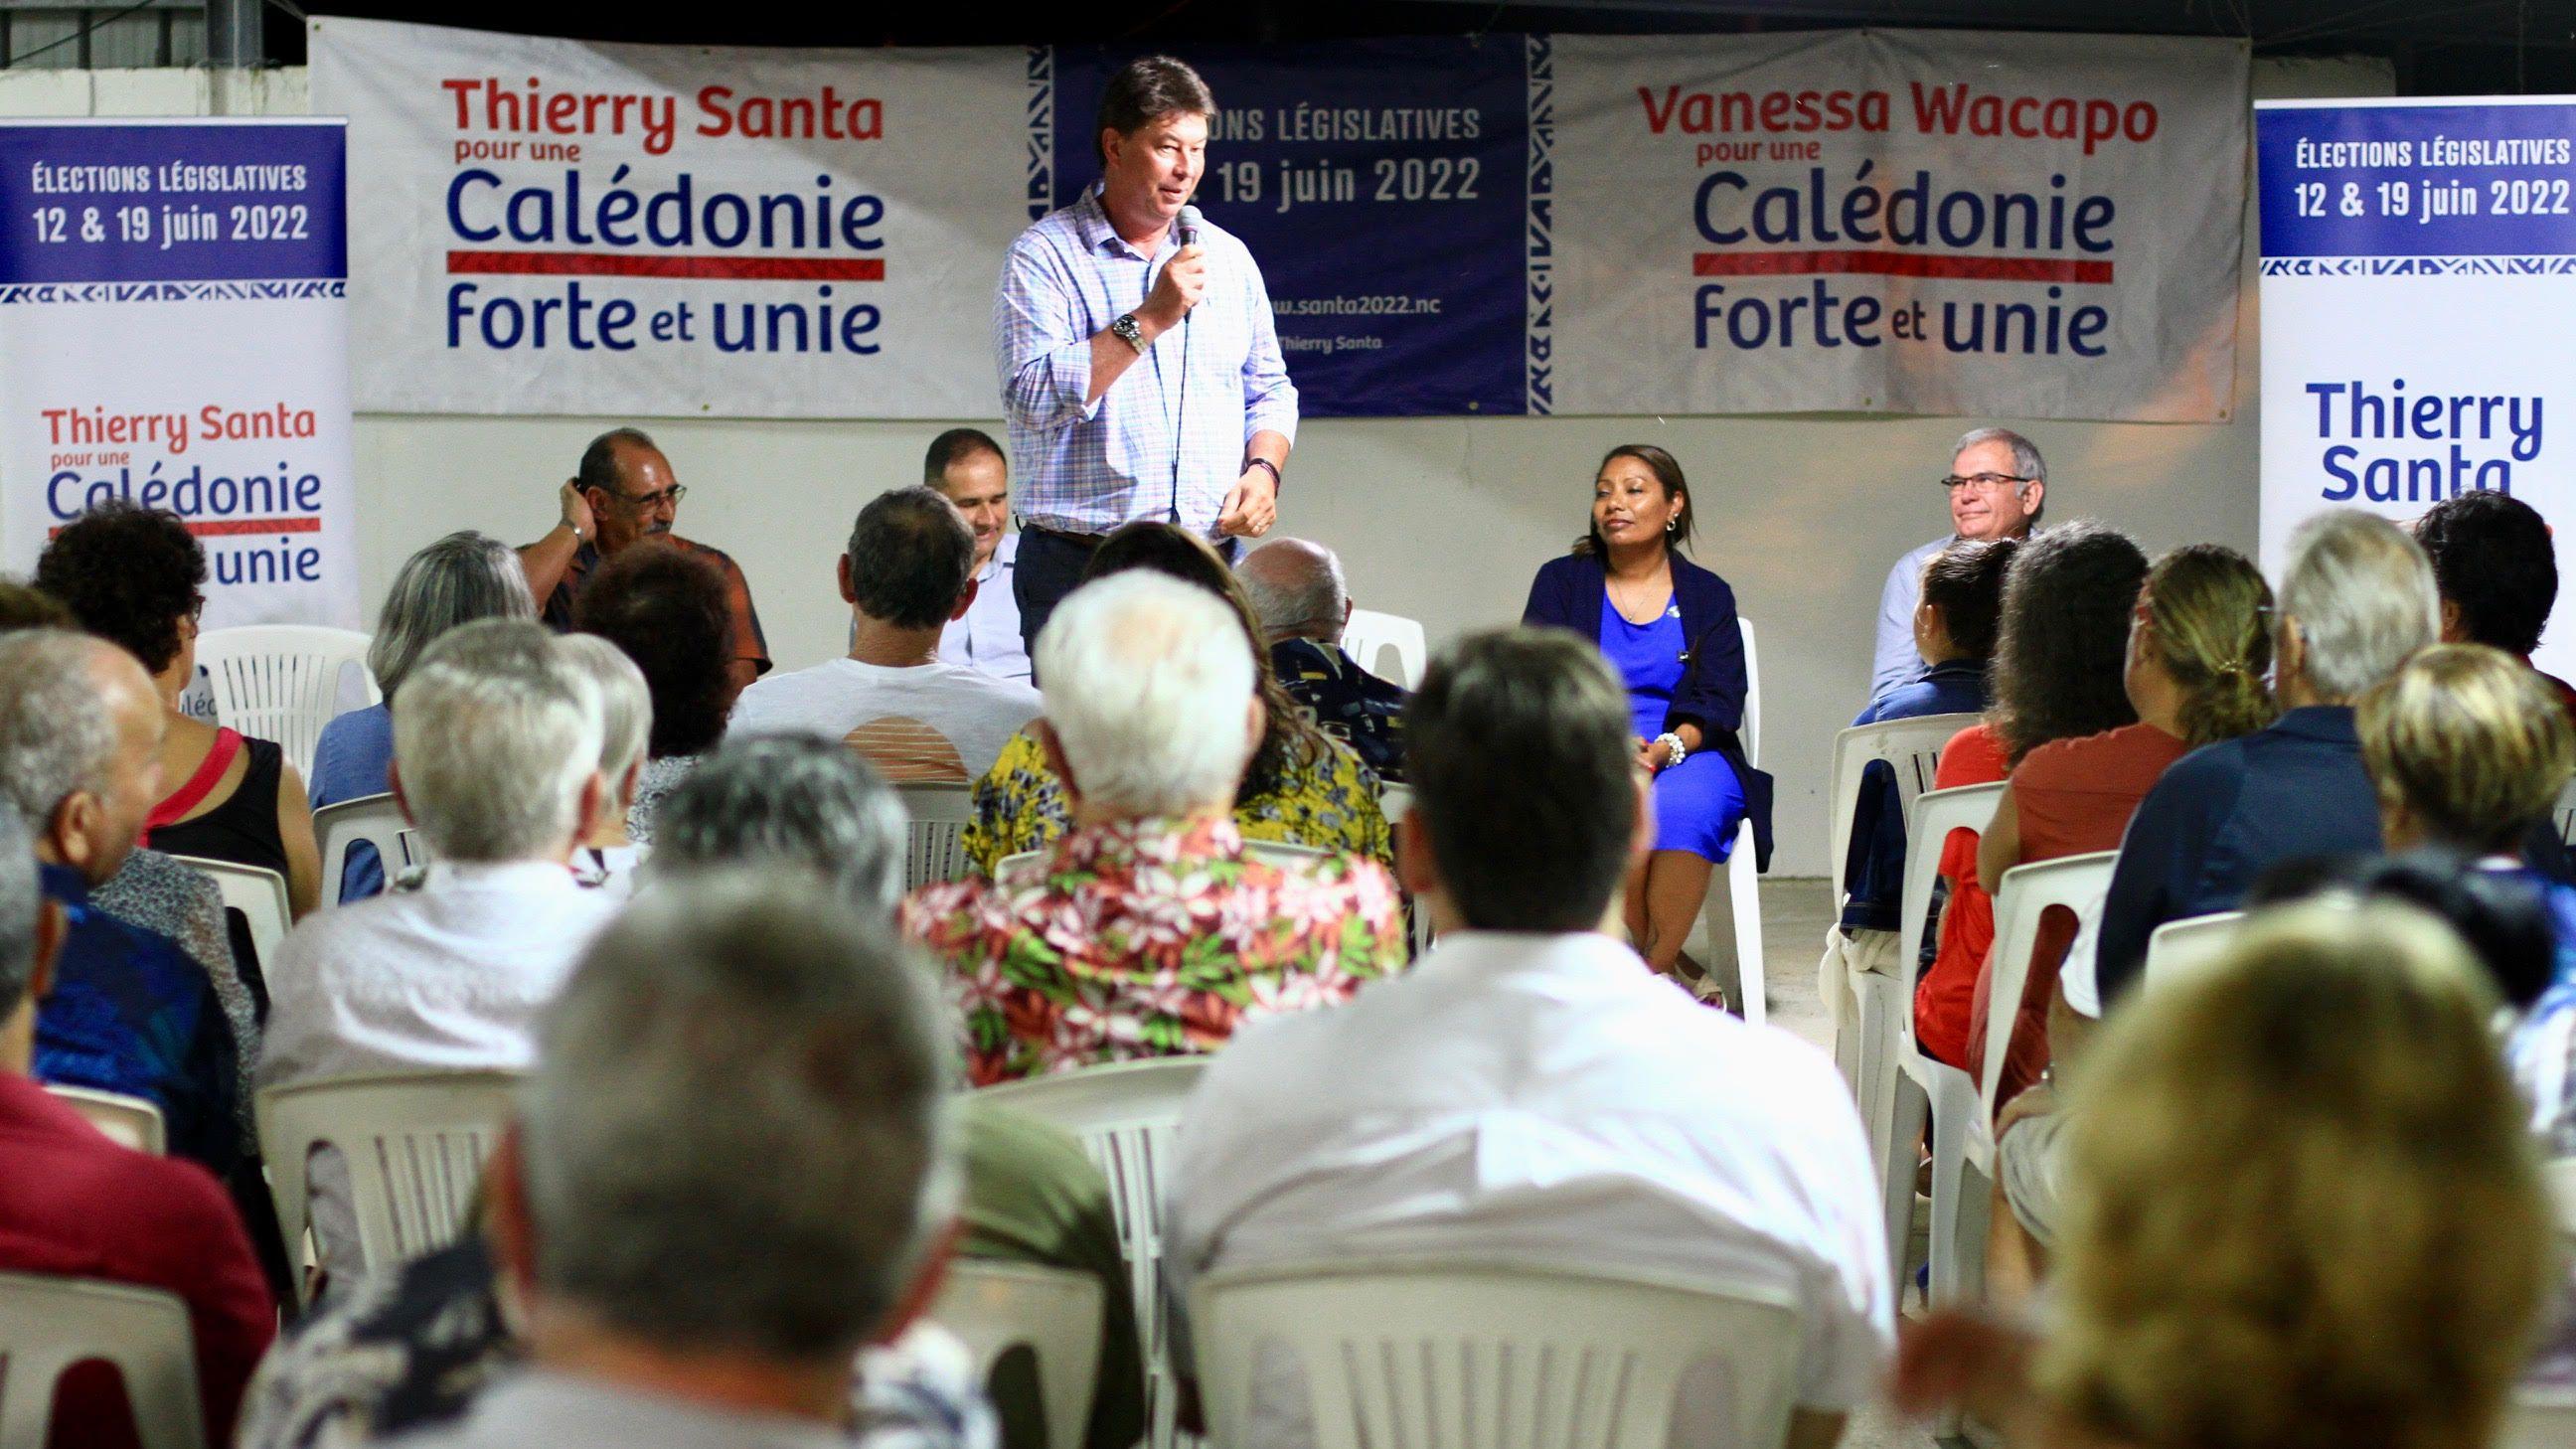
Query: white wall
[[1440, 518]]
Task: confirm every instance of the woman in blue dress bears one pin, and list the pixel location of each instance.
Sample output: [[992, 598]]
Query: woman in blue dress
[[1668, 628]]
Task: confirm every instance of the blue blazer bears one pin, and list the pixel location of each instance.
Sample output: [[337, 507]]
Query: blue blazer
[[1568, 594]]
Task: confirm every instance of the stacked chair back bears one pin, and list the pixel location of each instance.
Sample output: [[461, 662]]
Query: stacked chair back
[[1126, 1117], [372, 820], [1052, 1313], [1468, 1355], [414, 1144], [282, 681], [1370, 633], [259, 895], [936, 847], [2191, 941], [49, 1324], [129, 1122]]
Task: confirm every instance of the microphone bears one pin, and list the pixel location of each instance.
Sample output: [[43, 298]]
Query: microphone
[[1185, 230]]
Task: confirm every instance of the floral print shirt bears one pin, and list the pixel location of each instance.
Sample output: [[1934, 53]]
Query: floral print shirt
[[1149, 938], [1328, 802]]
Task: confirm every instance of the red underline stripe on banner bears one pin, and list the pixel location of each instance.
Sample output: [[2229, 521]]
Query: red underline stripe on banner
[[226, 527], [1901, 264], [596, 264]]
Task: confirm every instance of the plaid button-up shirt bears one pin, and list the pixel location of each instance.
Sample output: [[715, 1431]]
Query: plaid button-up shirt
[[1087, 468]]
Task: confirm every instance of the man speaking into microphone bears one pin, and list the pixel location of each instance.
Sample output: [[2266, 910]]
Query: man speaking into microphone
[[1140, 370]]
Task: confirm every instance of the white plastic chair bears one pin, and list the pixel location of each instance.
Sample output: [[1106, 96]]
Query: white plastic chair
[[2562, 1192], [2191, 941], [1395, 802], [1922, 1086], [282, 681], [1865, 1046], [1744, 981], [1012, 871], [936, 848], [259, 894], [49, 1324], [1125, 1117], [374, 820], [1055, 1313], [1960, 1206], [1370, 632], [2563, 814], [2539, 1419], [126, 1121], [1483, 1356], [414, 1143]]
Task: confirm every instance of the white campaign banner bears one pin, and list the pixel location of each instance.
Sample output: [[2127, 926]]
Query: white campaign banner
[[1986, 225], [555, 226], [2419, 264], [174, 332]]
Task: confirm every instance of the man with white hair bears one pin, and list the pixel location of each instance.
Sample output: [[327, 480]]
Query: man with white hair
[[1147, 930], [80, 741], [1298, 593], [731, 1170], [496, 760], [2357, 597], [1997, 486]]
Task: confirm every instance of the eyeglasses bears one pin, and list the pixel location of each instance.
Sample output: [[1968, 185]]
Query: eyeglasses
[[1982, 482], [646, 503]]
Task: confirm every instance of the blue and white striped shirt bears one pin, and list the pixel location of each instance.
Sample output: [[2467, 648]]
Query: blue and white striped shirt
[[1089, 468]]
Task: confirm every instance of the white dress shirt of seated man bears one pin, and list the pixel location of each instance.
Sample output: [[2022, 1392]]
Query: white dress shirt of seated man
[[1530, 1092], [497, 745]]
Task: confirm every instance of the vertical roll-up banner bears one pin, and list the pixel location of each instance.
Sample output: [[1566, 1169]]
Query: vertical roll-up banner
[[2419, 264], [174, 331]]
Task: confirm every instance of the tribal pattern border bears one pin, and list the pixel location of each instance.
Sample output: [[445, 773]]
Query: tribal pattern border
[[1041, 118], [40, 292], [1540, 356], [2490, 266]]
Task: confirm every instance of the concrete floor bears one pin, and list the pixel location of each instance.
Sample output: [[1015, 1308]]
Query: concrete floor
[[1794, 915]]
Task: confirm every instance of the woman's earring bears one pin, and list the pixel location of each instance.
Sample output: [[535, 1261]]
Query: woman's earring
[[1671, 523]]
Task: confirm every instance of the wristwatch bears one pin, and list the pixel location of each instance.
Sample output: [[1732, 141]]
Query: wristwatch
[[1129, 332]]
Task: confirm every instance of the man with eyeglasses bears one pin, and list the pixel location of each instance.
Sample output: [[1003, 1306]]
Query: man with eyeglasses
[[1997, 484], [624, 494]]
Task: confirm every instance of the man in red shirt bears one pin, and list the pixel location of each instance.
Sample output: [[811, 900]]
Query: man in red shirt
[[625, 494], [75, 1205]]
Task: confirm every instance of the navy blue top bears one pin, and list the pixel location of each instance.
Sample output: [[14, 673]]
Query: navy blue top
[[1569, 592], [131, 1012], [354, 759], [2224, 814], [1874, 867]]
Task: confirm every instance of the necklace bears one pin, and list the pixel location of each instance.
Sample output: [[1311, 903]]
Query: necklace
[[1626, 605]]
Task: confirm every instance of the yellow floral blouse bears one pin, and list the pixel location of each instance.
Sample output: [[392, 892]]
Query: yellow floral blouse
[[1330, 804]]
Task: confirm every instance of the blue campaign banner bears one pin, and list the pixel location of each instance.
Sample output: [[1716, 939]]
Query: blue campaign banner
[[1382, 187], [2493, 179], [183, 201]]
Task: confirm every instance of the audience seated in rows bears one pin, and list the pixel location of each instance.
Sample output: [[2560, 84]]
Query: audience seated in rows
[[1146, 930], [1298, 593], [2056, 676], [2356, 598], [2496, 568], [666, 609], [608, 857], [968, 469], [907, 575], [74, 1204], [80, 752], [1959, 611], [496, 760], [625, 494], [2198, 647], [135, 577], [417, 1341], [676, 1286], [461, 578], [1530, 1092], [2301, 1211], [1302, 786]]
